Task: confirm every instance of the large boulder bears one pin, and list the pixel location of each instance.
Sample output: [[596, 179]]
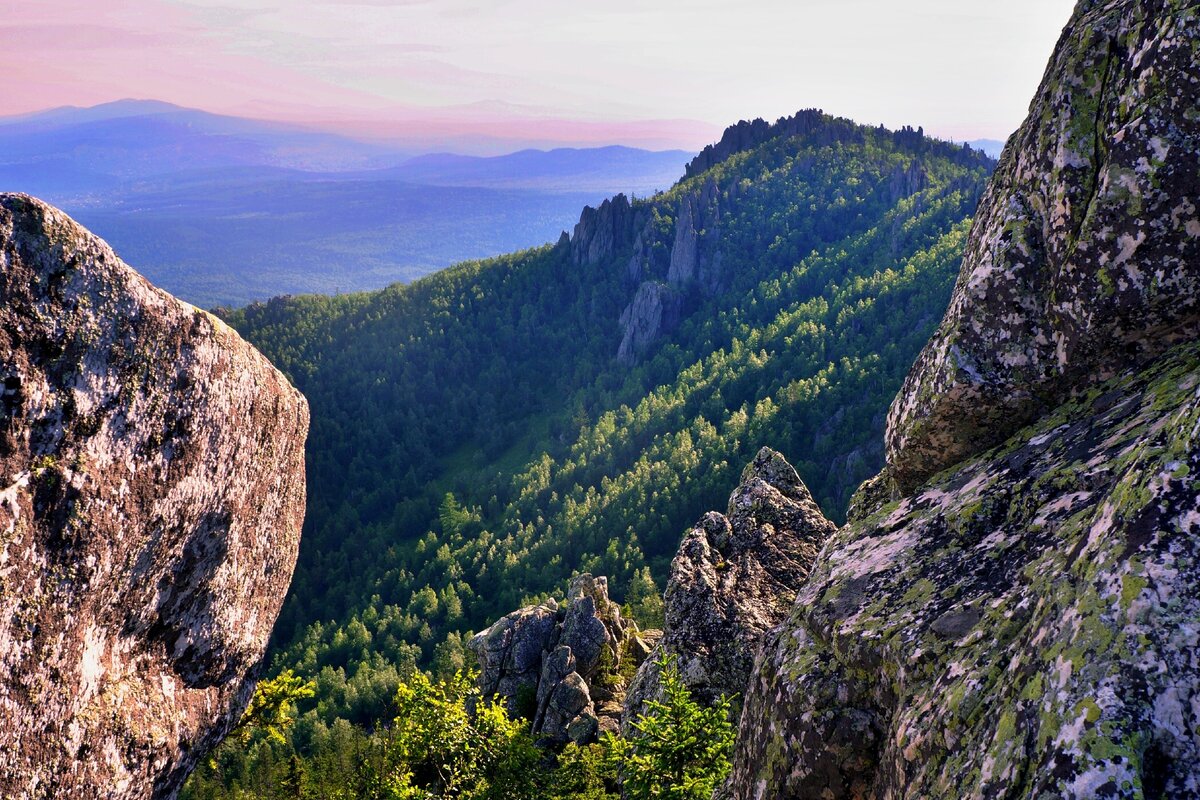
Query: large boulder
[[1026, 626], [1085, 254], [734, 578], [151, 497], [1023, 622]]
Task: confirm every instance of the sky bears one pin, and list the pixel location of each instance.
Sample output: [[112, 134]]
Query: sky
[[676, 71]]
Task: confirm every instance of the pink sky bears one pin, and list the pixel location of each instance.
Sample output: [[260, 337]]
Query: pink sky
[[668, 72]]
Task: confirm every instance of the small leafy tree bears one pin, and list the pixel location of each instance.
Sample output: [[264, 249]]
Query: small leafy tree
[[583, 773], [450, 742], [272, 709], [678, 749]]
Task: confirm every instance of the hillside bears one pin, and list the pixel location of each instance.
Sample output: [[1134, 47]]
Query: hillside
[[482, 434]]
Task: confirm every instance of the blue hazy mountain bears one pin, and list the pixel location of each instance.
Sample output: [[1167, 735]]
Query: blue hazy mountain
[[225, 210], [574, 169], [993, 147]]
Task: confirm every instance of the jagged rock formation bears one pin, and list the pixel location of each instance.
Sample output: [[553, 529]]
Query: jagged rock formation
[[1023, 624], [602, 232], [733, 579], [655, 309], [554, 664], [1085, 256], [151, 496]]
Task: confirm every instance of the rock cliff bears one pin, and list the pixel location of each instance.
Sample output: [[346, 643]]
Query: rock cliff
[[1025, 626], [1085, 255], [733, 579], [1022, 622], [151, 497]]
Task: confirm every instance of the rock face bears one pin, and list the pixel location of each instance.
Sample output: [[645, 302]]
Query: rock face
[[1085, 255], [692, 267], [553, 664], [151, 497], [1024, 624], [696, 256], [655, 310], [734, 578], [602, 232]]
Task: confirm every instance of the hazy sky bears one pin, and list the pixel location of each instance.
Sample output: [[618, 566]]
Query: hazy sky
[[961, 68]]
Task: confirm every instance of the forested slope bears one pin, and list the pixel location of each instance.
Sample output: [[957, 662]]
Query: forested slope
[[484, 433]]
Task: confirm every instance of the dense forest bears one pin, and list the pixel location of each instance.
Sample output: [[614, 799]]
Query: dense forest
[[476, 440]]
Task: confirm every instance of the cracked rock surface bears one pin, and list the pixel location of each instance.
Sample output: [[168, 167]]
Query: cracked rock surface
[[151, 497], [1085, 254], [1013, 609], [734, 578]]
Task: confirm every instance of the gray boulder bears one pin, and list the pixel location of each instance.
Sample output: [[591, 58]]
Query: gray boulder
[[151, 498]]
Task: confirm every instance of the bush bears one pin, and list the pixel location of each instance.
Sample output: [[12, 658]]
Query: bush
[[678, 749]]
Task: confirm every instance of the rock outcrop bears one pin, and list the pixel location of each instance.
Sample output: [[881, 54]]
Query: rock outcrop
[[555, 664], [1023, 622], [603, 232], [655, 310], [696, 255], [1085, 255], [668, 286], [151, 497], [1025, 626], [734, 578]]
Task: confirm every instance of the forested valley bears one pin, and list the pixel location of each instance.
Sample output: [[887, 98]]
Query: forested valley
[[485, 433]]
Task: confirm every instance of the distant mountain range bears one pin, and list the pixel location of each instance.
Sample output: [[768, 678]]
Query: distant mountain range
[[225, 210], [993, 147]]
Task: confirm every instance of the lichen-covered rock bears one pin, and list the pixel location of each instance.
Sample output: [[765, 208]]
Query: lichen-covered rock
[[151, 497], [1028, 625], [547, 655], [735, 576], [1085, 253]]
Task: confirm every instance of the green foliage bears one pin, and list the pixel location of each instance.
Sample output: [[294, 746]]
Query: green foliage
[[679, 750], [449, 742], [272, 709], [475, 442], [644, 601], [583, 773]]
